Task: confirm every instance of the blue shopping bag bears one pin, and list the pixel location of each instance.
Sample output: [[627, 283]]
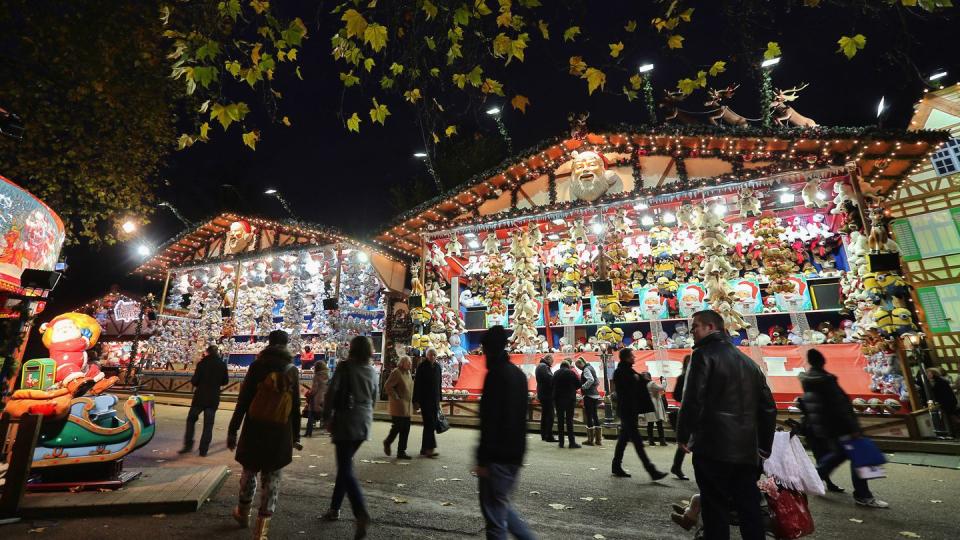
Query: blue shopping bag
[[866, 458]]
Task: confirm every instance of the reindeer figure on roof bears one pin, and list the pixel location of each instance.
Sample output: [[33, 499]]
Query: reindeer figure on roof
[[670, 103], [723, 112], [783, 113]]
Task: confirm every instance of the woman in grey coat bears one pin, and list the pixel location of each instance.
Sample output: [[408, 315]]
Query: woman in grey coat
[[348, 414]]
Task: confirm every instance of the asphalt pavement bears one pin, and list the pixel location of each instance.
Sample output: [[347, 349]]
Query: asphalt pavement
[[563, 494]]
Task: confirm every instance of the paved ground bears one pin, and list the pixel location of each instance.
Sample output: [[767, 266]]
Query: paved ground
[[440, 496]]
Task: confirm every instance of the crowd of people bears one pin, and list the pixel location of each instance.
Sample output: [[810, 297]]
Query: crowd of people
[[726, 420]]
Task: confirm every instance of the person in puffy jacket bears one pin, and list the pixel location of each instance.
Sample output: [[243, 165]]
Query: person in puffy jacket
[[828, 420], [590, 387]]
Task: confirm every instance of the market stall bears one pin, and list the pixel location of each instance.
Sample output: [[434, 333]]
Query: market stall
[[235, 278], [603, 240], [126, 319], [32, 235]]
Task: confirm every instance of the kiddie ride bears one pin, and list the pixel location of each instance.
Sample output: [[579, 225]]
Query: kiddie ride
[[82, 441]]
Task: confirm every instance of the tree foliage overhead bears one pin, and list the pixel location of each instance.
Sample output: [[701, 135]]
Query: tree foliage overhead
[[439, 57], [89, 79]]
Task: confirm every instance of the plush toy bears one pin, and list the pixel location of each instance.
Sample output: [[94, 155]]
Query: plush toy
[[685, 216], [67, 337], [817, 227], [778, 336], [578, 232], [454, 249], [843, 195], [681, 336], [534, 235], [490, 244], [639, 342], [437, 258], [811, 194], [878, 241], [748, 203]]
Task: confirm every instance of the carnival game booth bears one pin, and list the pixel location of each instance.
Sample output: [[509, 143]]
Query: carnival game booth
[[31, 236], [126, 319], [605, 240], [234, 279]]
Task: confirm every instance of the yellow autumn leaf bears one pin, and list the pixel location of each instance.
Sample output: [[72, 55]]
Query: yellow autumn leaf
[[450, 131], [379, 112], [250, 139], [685, 16], [355, 23], [368, 64], [577, 65], [412, 95], [492, 86], [616, 48], [544, 29], [430, 9], [773, 50], [435, 138], [255, 53], [375, 35], [686, 86], [204, 129], [520, 103], [571, 33], [353, 123], [292, 54], [595, 79], [286, 121], [850, 45], [636, 81], [675, 41], [717, 68], [630, 26]]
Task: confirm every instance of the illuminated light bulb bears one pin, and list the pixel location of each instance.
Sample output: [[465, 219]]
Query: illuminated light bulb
[[720, 210], [143, 250], [597, 228], [646, 220], [473, 244], [128, 226], [787, 198], [363, 257], [668, 217], [641, 206], [553, 236], [559, 221], [821, 195]]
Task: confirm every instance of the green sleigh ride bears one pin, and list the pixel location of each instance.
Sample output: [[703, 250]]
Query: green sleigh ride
[[90, 432]]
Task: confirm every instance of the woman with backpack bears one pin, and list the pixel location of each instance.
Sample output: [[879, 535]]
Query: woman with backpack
[[348, 415], [268, 407]]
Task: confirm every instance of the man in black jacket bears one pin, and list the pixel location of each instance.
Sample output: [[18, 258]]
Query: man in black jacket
[[632, 400], [677, 468], [503, 438], [426, 396], [565, 386], [210, 375], [545, 397], [727, 419], [828, 419]]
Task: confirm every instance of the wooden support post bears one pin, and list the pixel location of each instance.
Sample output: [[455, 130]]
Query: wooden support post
[[163, 296], [336, 293], [915, 404], [236, 293], [21, 457]]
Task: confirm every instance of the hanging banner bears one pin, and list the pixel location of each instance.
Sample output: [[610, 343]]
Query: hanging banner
[[782, 365]]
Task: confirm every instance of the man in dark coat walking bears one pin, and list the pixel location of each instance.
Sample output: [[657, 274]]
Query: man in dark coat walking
[[828, 419], [565, 386], [426, 396], [727, 419], [632, 400], [210, 375], [544, 375], [503, 438]]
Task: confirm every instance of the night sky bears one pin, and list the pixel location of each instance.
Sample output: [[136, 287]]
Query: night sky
[[341, 179]]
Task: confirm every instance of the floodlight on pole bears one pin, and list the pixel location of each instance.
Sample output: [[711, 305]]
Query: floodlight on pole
[[173, 209], [882, 106], [497, 115], [493, 111], [644, 68], [939, 74], [770, 62], [269, 191], [283, 202], [419, 155], [129, 226], [144, 250], [363, 257]]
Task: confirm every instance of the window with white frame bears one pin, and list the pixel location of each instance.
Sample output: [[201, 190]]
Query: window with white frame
[[947, 159]]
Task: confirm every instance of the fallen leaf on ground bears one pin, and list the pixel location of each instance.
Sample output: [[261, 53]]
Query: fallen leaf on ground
[[445, 503], [439, 479], [461, 480], [324, 474], [599, 537], [855, 520], [586, 499], [909, 534], [36, 530], [593, 468], [936, 501], [361, 461], [160, 460], [401, 485], [399, 500], [368, 481], [534, 492], [297, 456], [559, 506], [444, 467], [604, 498]]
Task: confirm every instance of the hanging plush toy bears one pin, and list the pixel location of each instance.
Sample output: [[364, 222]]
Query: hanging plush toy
[[454, 249], [843, 195], [778, 335], [811, 194], [748, 203], [490, 244]]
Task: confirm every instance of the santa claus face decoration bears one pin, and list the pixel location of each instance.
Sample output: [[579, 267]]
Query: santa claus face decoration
[[239, 237], [589, 179]]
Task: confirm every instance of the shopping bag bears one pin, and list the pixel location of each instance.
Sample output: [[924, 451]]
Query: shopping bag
[[791, 514], [863, 452], [442, 424]]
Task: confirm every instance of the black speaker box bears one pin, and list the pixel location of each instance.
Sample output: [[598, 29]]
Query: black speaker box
[[883, 262], [825, 295], [415, 301], [330, 304], [602, 288], [475, 319], [39, 279]]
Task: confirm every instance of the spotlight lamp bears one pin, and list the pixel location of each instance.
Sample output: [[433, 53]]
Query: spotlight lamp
[[129, 226], [493, 111], [770, 62], [269, 191], [144, 250], [645, 68], [597, 228], [646, 220]]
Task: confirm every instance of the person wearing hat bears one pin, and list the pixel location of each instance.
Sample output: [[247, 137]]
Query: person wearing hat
[[503, 438]]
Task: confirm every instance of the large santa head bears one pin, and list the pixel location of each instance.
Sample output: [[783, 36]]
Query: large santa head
[[589, 179], [239, 237]]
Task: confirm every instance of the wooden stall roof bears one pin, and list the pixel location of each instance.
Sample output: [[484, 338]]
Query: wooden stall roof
[[883, 158], [198, 246]]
